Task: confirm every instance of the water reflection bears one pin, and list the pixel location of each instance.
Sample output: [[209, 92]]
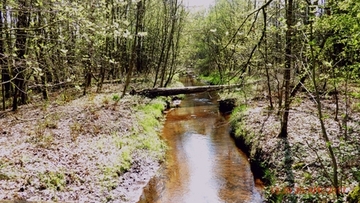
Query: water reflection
[[203, 163]]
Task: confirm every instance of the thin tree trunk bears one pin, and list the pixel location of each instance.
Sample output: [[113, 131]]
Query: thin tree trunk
[[41, 58], [266, 59], [287, 71], [2, 62], [345, 120], [336, 95], [133, 53], [173, 12], [20, 43], [175, 50], [139, 45], [335, 180], [107, 51], [163, 46]]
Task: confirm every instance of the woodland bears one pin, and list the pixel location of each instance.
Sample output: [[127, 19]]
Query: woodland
[[89, 55]]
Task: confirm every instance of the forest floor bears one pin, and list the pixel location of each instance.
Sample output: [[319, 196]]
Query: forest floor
[[302, 158], [94, 148]]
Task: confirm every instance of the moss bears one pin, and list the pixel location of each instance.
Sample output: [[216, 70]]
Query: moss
[[354, 196]]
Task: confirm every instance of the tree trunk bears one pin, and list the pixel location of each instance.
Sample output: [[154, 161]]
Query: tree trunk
[[2, 62], [133, 52], [87, 74], [41, 55], [314, 63], [155, 92], [287, 71], [336, 94], [266, 59], [139, 46], [20, 43], [175, 49], [163, 46], [173, 12]]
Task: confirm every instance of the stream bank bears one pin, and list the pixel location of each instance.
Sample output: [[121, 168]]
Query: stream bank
[[93, 148], [290, 168], [203, 164]]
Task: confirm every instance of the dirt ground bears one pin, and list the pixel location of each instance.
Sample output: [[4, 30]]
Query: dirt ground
[[76, 149]]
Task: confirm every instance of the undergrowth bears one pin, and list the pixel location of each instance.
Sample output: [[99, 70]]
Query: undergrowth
[[52, 180], [149, 118], [144, 135]]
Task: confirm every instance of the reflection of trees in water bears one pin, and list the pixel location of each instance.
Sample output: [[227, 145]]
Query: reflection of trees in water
[[203, 158], [175, 176], [236, 182]]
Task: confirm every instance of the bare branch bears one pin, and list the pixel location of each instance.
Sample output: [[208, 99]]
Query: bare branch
[[242, 70], [244, 21]]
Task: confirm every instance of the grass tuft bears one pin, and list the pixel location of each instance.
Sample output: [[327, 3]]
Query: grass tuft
[[52, 180]]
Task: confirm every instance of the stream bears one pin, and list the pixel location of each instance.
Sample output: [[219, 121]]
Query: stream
[[203, 165]]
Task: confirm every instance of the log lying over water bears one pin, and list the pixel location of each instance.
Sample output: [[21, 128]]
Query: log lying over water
[[152, 93]]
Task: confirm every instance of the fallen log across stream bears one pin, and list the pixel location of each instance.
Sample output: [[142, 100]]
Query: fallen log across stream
[[155, 92]]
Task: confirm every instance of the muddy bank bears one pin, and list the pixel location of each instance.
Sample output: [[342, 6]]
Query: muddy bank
[[297, 168], [257, 160]]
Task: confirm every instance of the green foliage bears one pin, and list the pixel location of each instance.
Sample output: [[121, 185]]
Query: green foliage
[[52, 180], [297, 101], [222, 41], [213, 79], [153, 109], [356, 95], [3, 176], [354, 196], [339, 48], [125, 160], [51, 121], [307, 177], [148, 117], [356, 173], [276, 197], [299, 165], [269, 176], [116, 97], [121, 163], [67, 40], [144, 136], [238, 112], [308, 197]]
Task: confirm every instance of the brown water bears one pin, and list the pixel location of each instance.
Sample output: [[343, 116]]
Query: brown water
[[203, 164]]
